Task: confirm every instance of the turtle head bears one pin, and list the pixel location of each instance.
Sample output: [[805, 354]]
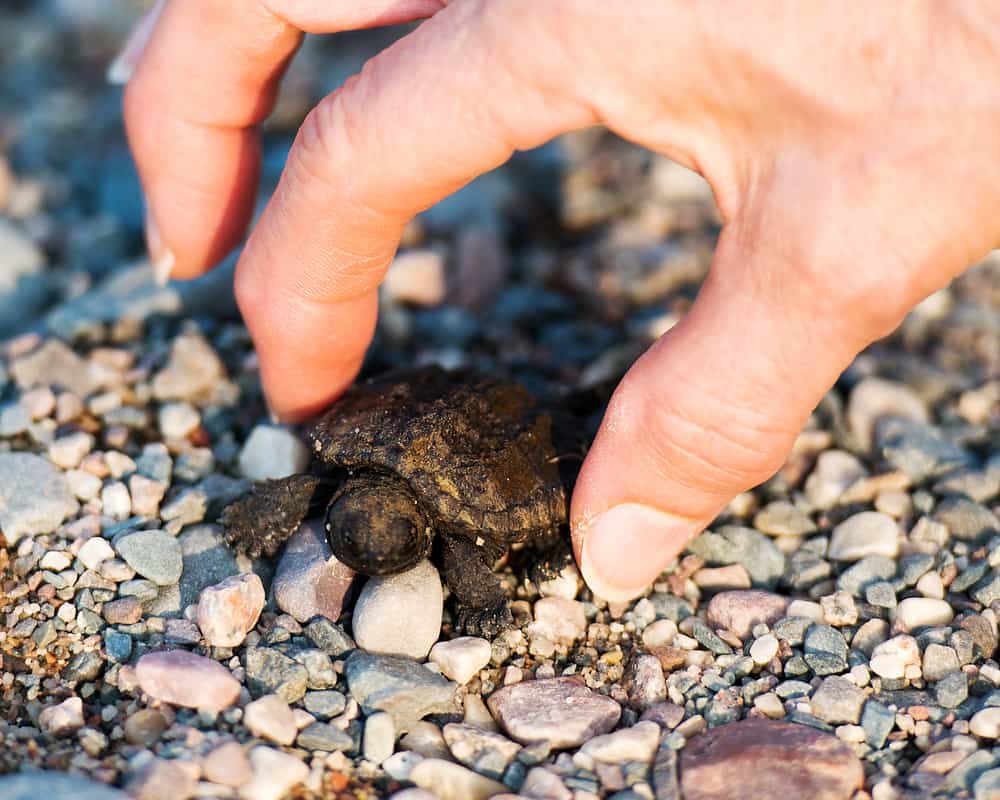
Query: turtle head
[[375, 526]]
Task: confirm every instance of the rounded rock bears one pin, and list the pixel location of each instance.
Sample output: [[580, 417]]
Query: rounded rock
[[186, 679], [869, 533], [986, 723], [400, 614], [740, 610], [154, 554], [309, 580], [270, 717], [230, 609], [461, 659], [920, 612], [379, 738]]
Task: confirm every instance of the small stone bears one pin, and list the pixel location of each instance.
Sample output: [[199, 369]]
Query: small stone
[[270, 671], [270, 717], [449, 781], [272, 452], [838, 701], [403, 688], [562, 711], [871, 569], [159, 779], [325, 737], [274, 774], [882, 594], [185, 679], [736, 545], [324, 704], [193, 372], [952, 690], [644, 681], [869, 533], [399, 766], [835, 472], [920, 451], [486, 752], [309, 580], [966, 520], [55, 785], [637, 743], [920, 612], [559, 620], [939, 661], [62, 719], [781, 518], [987, 785], [145, 726], [461, 659], [126, 611], [426, 740], [55, 364], [731, 577], [117, 645], [14, 419], [230, 609], [825, 650], [891, 658], [146, 495], [401, 614], [329, 637], [178, 420], [987, 590], [666, 715], [154, 554], [839, 609], [35, 497], [877, 722], [740, 611], [416, 277], [116, 501], [95, 551], [755, 758], [875, 398], [764, 649], [379, 737], [55, 560], [227, 765], [68, 451], [986, 723]]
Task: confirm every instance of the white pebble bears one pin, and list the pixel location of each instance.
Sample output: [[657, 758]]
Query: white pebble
[[416, 277], [272, 452], [764, 649], [94, 551], [116, 502], [400, 614], [869, 533], [637, 743], [930, 585], [659, 634], [274, 774], [379, 738], [63, 718], [55, 560], [986, 723], [401, 764], [919, 612], [178, 420], [461, 659], [805, 608], [85, 485], [270, 717], [448, 781], [68, 451]]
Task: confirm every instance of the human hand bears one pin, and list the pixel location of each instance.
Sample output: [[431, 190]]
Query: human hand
[[852, 150]]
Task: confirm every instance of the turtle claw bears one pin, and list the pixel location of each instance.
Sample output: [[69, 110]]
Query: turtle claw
[[486, 622]]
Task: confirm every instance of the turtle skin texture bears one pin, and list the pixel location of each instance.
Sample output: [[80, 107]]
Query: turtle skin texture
[[421, 463]]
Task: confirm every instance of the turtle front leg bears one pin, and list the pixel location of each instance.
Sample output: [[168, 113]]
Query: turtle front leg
[[260, 521], [467, 569]]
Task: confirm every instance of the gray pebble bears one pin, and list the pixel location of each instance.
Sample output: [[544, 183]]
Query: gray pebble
[[328, 738], [155, 555], [825, 650], [324, 704], [35, 785], [35, 497]]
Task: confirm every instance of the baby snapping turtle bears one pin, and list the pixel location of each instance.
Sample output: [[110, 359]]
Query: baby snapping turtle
[[419, 463]]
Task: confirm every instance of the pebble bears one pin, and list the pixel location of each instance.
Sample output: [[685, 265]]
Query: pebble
[[55, 785], [939, 661], [35, 497], [230, 609], [558, 620], [644, 681], [145, 726], [126, 611], [764, 649], [637, 743], [193, 372], [825, 650], [869, 533], [736, 545], [838, 701], [270, 717], [274, 774], [416, 277], [740, 611], [486, 752], [919, 612], [178, 420], [325, 737], [401, 614], [154, 554], [272, 451], [270, 671], [755, 758], [966, 520], [399, 766], [186, 679], [461, 659], [379, 738], [62, 719], [94, 552], [160, 779], [835, 472], [875, 398], [227, 765], [987, 785], [399, 686], [952, 690], [55, 364], [324, 703], [986, 723], [309, 580], [562, 711], [448, 781]]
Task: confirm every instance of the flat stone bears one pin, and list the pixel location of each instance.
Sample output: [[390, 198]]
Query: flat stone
[[35, 785], [877, 398], [35, 497], [272, 451], [62, 719], [399, 686], [379, 738], [562, 711], [760, 758], [193, 371], [325, 737], [835, 472], [782, 518], [825, 650], [272, 672], [637, 743], [126, 611], [986, 723], [486, 752], [966, 520], [55, 364], [877, 722], [741, 611], [870, 569], [145, 727], [450, 781], [732, 544], [324, 703], [160, 779], [644, 681], [919, 450], [400, 614], [838, 701], [274, 774], [154, 554], [869, 533], [939, 661], [270, 717], [185, 679], [207, 561], [227, 765], [920, 612], [94, 552], [230, 609], [310, 581], [461, 659], [329, 637], [952, 690]]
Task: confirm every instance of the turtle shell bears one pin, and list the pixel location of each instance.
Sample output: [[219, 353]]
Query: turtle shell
[[477, 452]]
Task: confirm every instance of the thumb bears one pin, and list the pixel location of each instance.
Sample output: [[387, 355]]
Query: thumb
[[712, 408]]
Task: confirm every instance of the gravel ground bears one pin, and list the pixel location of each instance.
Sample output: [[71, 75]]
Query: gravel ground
[[833, 634]]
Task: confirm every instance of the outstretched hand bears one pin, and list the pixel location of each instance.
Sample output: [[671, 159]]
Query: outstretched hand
[[852, 150]]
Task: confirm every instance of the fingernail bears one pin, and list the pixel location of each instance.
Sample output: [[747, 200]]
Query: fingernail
[[627, 547], [124, 64], [161, 258]]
